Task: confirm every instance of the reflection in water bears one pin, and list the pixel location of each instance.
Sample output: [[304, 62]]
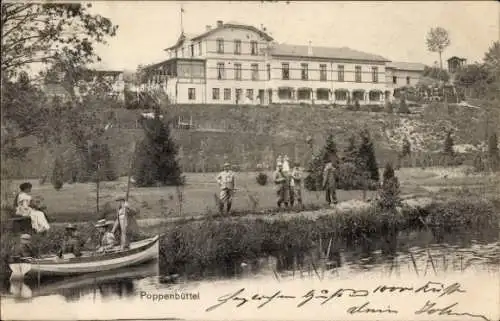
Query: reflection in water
[[111, 284]]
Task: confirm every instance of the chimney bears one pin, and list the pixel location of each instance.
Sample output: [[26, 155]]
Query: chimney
[[310, 49], [208, 27], [219, 23]]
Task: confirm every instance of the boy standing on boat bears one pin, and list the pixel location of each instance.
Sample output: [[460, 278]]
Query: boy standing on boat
[[225, 180], [124, 210]]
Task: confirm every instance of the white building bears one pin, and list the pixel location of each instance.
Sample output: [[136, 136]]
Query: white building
[[233, 63]]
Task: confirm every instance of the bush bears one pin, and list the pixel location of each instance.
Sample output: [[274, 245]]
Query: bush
[[262, 179], [314, 180], [403, 107], [58, 174], [388, 107], [389, 192]]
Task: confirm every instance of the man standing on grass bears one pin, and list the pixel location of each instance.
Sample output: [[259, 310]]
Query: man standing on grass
[[296, 185], [225, 179], [282, 186], [329, 183]]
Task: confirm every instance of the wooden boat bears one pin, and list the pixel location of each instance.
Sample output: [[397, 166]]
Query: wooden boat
[[90, 262]]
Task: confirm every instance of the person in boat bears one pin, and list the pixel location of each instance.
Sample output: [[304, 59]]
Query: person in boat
[[71, 242], [225, 179], [296, 185], [282, 186], [329, 182], [106, 237], [123, 213], [23, 203], [24, 249]]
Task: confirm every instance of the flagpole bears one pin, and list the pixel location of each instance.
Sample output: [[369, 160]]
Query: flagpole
[[182, 13]]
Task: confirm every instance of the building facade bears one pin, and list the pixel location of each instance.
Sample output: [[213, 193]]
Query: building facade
[[233, 63]]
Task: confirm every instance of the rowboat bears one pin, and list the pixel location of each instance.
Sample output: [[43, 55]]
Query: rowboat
[[90, 262]]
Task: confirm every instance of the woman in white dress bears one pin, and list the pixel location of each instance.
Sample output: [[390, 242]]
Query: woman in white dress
[[23, 208]]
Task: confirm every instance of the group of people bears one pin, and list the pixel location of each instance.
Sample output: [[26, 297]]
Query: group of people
[[71, 242], [288, 182]]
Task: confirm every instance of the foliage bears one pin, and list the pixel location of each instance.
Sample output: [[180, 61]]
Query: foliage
[[476, 79], [155, 158], [313, 181], [406, 149], [58, 174], [390, 190], [388, 107], [262, 178], [46, 33], [448, 145], [403, 107], [438, 40], [367, 156], [493, 152], [436, 73]]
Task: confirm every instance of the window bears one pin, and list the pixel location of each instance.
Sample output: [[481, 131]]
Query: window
[[191, 94], [192, 50], [199, 47], [255, 72], [268, 71], [220, 70], [237, 71], [227, 93], [220, 45], [408, 80], [215, 93], [322, 94], [304, 94], [322, 72], [374, 74], [374, 95], [285, 71], [357, 73], [340, 95], [253, 47], [250, 94], [358, 95], [394, 80], [341, 73], [238, 94], [237, 47], [285, 93], [304, 71]]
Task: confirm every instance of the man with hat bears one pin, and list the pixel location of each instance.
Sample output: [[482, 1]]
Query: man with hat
[[225, 179], [296, 185], [71, 242], [106, 238], [24, 248], [124, 210]]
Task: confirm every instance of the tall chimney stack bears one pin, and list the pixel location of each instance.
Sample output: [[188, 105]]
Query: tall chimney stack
[[219, 23], [310, 49]]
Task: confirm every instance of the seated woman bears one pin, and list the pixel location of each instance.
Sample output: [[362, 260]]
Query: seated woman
[[23, 208], [106, 238]]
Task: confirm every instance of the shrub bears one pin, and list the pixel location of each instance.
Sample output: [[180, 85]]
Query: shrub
[[58, 174], [493, 153], [262, 178], [313, 181], [403, 107], [388, 107], [389, 191]]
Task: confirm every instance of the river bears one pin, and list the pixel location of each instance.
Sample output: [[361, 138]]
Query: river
[[129, 293]]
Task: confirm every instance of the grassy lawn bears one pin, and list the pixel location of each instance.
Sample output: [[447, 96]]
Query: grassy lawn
[[77, 202]]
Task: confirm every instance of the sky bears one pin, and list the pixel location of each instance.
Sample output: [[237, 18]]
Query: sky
[[395, 30]]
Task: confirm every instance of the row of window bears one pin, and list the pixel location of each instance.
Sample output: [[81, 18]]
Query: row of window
[[304, 72], [288, 93], [395, 80], [237, 47]]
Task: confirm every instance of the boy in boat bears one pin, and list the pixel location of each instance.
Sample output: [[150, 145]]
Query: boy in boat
[[24, 249], [23, 207], [106, 238], [124, 211], [225, 180], [296, 185], [71, 242]]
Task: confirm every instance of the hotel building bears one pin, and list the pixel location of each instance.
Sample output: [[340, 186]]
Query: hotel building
[[233, 63]]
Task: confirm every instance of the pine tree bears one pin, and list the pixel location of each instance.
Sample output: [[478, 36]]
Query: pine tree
[[406, 150], [368, 161], [448, 145], [58, 174], [314, 180], [349, 173], [390, 191], [155, 158], [493, 153]]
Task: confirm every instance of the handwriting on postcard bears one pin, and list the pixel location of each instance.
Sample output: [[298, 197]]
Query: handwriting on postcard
[[434, 290]]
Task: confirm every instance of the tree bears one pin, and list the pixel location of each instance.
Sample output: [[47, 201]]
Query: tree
[[350, 173], [448, 149], [476, 79], [390, 190], [403, 107], [155, 158], [436, 74], [492, 64], [493, 153], [406, 149], [313, 181], [367, 156], [58, 174], [45, 33], [437, 41]]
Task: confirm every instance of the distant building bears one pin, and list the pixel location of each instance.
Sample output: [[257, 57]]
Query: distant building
[[401, 74], [56, 90], [112, 80], [233, 63], [455, 63]]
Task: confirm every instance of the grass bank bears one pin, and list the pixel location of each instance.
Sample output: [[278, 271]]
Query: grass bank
[[200, 248]]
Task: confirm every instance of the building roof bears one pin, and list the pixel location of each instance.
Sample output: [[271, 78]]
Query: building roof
[[456, 58], [324, 52], [406, 65], [53, 89]]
